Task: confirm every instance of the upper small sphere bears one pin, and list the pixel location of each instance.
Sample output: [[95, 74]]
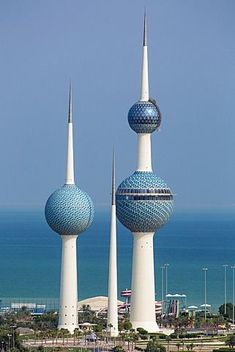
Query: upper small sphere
[[144, 117], [144, 202], [69, 211]]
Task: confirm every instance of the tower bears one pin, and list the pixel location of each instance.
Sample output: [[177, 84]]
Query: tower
[[112, 317], [69, 211], [144, 204]]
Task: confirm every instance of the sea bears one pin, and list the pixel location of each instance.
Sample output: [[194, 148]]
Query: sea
[[192, 240]]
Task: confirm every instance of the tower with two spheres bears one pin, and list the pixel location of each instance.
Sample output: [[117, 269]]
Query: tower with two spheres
[[144, 203]]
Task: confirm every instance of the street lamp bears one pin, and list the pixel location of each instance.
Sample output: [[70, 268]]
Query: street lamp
[[205, 273], [9, 342], [162, 269], [13, 335], [225, 288], [233, 267], [166, 267]]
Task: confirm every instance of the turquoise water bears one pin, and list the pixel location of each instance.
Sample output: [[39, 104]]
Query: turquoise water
[[30, 255]]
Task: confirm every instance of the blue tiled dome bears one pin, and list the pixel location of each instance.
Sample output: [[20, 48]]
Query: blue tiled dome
[[69, 211], [144, 202], [144, 117]]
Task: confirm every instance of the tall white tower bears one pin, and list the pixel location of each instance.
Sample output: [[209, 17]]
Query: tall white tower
[[144, 204], [69, 211], [112, 318]]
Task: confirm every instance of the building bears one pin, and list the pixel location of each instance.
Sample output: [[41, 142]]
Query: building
[[144, 203], [69, 211], [175, 304]]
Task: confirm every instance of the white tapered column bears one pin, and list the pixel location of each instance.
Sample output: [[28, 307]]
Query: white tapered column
[[112, 316], [142, 312], [68, 314], [69, 179], [144, 161]]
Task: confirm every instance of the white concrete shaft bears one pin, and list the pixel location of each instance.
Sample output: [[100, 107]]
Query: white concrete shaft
[[68, 313], [144, 92], [144, 161], [112, 318], [69, 180], [142, 313]]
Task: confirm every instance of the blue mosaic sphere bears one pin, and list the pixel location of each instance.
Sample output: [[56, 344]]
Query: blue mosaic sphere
[[69, 211], [144, 117], [144, 202]]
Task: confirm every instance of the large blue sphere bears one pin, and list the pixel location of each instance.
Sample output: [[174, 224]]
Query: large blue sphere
[[144, 202], [144, 117], [69, 211]]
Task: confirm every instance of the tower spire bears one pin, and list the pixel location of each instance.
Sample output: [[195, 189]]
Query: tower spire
[[70, 104], [133, 209], [63, 217], [112, 316], [113, 180], [69, 180], [145, 29], [144, 95]]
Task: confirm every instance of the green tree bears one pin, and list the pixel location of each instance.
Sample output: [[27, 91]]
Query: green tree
[[229, 310], [142, 331], [155, 346], [76, 334], [40, 348], [86, 314], [118, 348], [45, 321], [127, 325], [64, 333], [230, 341], [168, 339], [143, 334], [191, 346], [178, 346]]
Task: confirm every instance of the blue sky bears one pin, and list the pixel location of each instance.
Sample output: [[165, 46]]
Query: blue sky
[[98, 45]]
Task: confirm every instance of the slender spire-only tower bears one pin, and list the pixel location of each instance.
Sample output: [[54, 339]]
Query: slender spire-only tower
[[69, 180], [69, 211], [112, 318], [144, 204]]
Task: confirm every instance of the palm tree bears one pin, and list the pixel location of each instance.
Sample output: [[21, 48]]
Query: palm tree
[[178, 346], [135, 338], [77, 332], [191, 346], [168, 339], [53, 335], [230, 341], [63, 333]]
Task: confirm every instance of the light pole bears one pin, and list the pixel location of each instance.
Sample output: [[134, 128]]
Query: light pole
[[9, 342], [233, 267], [205, 273], [162, 269], [13, 335], [225, 288], [166, 268]]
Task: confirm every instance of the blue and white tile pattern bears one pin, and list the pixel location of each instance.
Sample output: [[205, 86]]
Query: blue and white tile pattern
[[138, 208], [144, 117], [69, 211]]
